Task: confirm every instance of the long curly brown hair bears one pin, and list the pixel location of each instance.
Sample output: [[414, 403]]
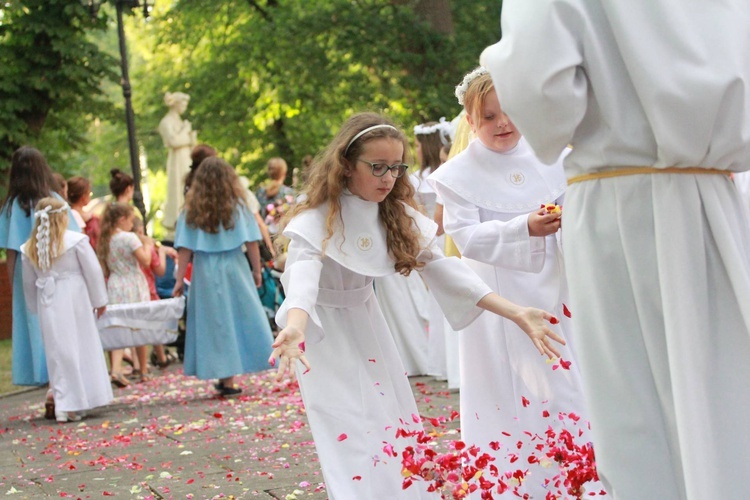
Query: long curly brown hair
[[213, 196], [112, 214], [326, 181]]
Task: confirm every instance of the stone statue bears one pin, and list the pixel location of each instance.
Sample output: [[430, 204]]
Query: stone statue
[[179, 138]]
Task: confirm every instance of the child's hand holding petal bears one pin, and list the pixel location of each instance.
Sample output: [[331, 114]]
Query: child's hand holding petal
[[534, 323]]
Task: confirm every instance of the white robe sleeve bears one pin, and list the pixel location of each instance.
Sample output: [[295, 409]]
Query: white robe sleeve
[[505, 244], [456, 288], [301, 281], [29, 284], [92, 273], [546, 93]]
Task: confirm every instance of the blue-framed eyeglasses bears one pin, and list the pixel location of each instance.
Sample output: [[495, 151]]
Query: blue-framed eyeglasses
[[379, 169]]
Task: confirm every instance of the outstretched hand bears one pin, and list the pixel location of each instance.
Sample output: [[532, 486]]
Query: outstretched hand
[[534, 323], [289, 345]]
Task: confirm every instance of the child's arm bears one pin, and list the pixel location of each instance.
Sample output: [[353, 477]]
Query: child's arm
[[264, 232], [183, 258], [253, 253], [290, 343], [529, 319], [143, 252]]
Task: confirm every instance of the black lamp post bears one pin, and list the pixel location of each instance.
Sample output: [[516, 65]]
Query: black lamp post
[[135, 166]]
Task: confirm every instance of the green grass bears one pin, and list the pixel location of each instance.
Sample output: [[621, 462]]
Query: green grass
[[5, 358]]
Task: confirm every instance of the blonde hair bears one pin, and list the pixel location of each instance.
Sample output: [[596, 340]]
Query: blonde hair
[[213, 196], [58, 224], [112, 214], [326, 182], [277, 168], [476, 94], [462, 138]]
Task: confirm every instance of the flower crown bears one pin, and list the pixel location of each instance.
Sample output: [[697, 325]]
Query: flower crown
[[443, 127], [462, 87]]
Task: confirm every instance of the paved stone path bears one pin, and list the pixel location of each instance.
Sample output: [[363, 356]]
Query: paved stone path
[[173, 437]]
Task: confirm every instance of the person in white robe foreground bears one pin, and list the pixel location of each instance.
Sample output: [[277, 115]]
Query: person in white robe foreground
[[64, 284], [654, 97], [358, 221], [492, 193]]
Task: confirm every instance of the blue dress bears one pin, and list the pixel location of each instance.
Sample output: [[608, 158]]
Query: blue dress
[[227, 329], [29, 365]]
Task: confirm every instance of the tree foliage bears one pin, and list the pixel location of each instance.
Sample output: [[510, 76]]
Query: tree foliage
[[50, 77], [278, 78], [266, 77]]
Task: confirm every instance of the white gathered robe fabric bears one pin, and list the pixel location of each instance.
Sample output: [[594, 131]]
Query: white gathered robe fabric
[[356, 394], [140, 323], [506, 385], [64, 297], [657, 264], [404, 301], [437, 354]]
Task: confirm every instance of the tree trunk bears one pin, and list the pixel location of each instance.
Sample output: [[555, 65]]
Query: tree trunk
[[437, 13]]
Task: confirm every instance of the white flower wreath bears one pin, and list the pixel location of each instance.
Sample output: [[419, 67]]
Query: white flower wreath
[[462, 87]]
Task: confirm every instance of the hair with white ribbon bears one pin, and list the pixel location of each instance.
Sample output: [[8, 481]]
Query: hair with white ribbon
[[462, 87], [43, 234], [443, 127], [368, 129]]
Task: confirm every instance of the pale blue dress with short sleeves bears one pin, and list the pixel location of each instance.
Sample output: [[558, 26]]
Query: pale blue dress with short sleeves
[[227, 329], [29, 365]]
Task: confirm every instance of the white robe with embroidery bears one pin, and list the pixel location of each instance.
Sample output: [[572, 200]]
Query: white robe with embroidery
[[356, 394], [657, 264], [505, 384], [64, 297]]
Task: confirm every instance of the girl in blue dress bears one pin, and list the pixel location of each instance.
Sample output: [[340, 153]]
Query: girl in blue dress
[[227, 329], [30, 180]]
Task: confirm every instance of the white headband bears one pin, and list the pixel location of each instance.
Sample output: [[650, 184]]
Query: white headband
[[368, 129], [42, 234], [442, 126]]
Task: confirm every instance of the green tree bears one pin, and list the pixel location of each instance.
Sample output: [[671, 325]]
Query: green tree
[[277, 78], [50, 78]]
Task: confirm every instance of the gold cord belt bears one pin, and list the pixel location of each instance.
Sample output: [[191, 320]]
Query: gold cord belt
[[620, 172]]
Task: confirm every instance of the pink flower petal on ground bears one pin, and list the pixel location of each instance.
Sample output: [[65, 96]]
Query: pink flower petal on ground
[[342, 437]]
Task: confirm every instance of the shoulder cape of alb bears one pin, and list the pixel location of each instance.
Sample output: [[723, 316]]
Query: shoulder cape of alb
[[512, 182], [70, 240], [360, 243]]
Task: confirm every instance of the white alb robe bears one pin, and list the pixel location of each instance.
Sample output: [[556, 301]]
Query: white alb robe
[[356, 393], [437, 355], [657, 264], [64, 297], [505, 384]]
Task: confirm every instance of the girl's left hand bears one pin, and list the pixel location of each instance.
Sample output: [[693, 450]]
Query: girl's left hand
[[178, 287], [257, 278], [534, 323], [289, 345], [100, 311]]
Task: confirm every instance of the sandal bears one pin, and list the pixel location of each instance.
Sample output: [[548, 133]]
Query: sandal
[[119, 380], [225, 390], [143, 377]]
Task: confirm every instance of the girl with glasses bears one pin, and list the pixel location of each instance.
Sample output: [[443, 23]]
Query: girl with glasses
[[358, 220]]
